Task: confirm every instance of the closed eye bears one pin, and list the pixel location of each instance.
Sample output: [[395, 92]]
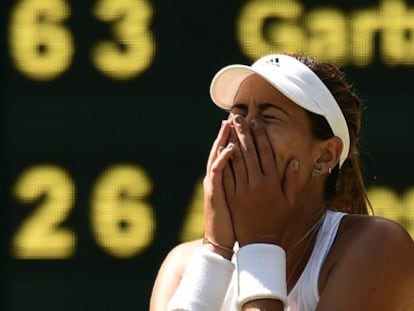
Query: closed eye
[[267, 111], [269, 116], [270, 111]]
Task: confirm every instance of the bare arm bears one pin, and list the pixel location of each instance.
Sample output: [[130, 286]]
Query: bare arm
[[170, 274], [374, 272]]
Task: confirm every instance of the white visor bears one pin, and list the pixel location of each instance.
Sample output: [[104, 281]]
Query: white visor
[[293, 79]]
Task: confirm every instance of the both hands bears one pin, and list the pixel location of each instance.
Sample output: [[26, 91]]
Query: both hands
[[246, 198]]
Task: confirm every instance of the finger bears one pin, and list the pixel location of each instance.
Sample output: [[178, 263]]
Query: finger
[[238, 165], [228, 180], [291, 182], [213, 181], [220, 141], [247, 146], [267, 157], [222, 159]]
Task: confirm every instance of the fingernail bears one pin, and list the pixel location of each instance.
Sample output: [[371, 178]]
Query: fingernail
[[230, 145], [220, 149], [239, 119], [255, 124], [296, 165], [223, 122]]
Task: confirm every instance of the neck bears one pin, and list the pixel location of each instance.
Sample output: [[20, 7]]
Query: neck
[[309, 207], [305, 216], [297, 260], [306, 221], [315, 227]]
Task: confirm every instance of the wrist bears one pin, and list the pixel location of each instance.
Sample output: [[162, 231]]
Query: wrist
[[261, 273], [222, 250]]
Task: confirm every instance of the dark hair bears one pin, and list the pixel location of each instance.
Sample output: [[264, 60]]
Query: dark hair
[[345, 189]]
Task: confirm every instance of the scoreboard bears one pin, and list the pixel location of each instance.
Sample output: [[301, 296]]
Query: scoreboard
[[107, 124]]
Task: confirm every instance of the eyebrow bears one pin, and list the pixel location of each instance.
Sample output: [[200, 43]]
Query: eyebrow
[[240, 106], [261, 106]]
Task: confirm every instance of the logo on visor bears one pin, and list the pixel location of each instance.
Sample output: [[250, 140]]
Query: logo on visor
[[273, 61]]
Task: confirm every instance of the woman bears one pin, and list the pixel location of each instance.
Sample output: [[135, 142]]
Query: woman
[[286, 216]]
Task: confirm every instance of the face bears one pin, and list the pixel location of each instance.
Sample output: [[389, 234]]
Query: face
[[287, 125]]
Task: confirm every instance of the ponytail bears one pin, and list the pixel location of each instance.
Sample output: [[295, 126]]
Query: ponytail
[[345, 189]]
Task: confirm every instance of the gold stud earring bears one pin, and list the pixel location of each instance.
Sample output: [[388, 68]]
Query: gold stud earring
[[316, 172]]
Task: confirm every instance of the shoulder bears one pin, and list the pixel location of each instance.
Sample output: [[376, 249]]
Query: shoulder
[[362, 236], [170, 273], [372, 260], [376, 241], [377, 234], [361, 239]]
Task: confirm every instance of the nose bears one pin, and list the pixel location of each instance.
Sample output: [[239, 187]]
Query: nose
[[250, 117], [247, 118]]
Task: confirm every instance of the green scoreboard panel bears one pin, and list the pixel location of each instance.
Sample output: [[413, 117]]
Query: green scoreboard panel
[[107, 124]]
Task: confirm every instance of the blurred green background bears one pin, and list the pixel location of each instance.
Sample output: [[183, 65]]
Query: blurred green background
[[107, 124]]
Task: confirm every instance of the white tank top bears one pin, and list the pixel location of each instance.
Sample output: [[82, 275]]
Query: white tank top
[[304, 296]]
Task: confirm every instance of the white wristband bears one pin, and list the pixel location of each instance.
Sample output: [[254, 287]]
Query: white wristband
[[261, 273], [204, 283]]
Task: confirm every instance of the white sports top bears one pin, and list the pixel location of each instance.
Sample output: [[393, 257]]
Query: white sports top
[[305, 294]]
